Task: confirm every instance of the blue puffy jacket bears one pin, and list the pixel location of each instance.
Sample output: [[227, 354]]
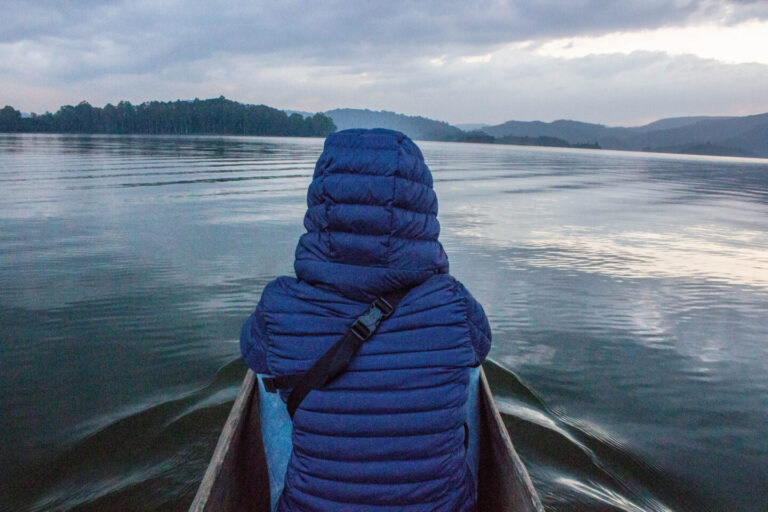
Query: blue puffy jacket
[[388, 434]]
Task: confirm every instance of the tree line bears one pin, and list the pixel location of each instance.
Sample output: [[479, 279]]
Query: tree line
[[218, 116]]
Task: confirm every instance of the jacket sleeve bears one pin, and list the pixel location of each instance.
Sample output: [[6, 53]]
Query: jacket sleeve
[[479, 328], [254, 341]]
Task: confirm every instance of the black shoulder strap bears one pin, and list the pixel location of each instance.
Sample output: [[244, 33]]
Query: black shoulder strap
[[337, 358]]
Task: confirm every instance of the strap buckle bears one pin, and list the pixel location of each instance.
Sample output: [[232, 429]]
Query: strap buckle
[[360, 330], [366, 324], [385, 307]]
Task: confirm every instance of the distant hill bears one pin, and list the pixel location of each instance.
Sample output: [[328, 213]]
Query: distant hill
[[741, 136], [416, 127], [422, 128], [703, 149], [302, 113], [673, 122], [470, 127], [744, 134], [571, 131], [542, 140]]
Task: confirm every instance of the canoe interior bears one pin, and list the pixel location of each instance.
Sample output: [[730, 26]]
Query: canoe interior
[[237, 480]]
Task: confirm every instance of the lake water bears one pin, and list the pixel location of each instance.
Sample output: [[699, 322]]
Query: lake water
[[627, 294]]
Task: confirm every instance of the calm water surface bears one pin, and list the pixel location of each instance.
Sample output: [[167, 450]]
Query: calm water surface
[[627, 293]]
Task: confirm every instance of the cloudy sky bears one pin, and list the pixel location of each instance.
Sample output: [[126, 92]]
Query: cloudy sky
[[618, 62]]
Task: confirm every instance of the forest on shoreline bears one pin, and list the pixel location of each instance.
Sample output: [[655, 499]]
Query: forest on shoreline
[[217, 116]]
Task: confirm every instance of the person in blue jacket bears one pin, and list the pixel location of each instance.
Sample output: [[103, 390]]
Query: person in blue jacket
[[388, 433]]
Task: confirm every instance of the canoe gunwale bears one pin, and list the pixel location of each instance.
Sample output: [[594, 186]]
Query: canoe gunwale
[[236, 478], [504, 483], [225, 440]]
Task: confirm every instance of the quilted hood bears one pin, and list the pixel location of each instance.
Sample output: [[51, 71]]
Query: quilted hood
[[371, 219]]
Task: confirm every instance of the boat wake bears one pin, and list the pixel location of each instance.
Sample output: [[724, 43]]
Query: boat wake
[[150, 457], [576, 466]]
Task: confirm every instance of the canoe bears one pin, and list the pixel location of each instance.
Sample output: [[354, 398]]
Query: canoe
[[237, 479]]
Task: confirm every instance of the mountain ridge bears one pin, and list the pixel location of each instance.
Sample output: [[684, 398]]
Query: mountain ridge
[[715, 135], [416, 127], [719, 135]]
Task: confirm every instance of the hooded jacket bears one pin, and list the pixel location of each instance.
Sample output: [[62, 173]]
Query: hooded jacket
[[388, 434]]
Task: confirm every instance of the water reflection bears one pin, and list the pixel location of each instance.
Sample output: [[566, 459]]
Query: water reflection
[[626, 291], [701, 252]]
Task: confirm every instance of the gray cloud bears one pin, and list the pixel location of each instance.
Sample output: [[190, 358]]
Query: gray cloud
[[318, 55], [158, 32]]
